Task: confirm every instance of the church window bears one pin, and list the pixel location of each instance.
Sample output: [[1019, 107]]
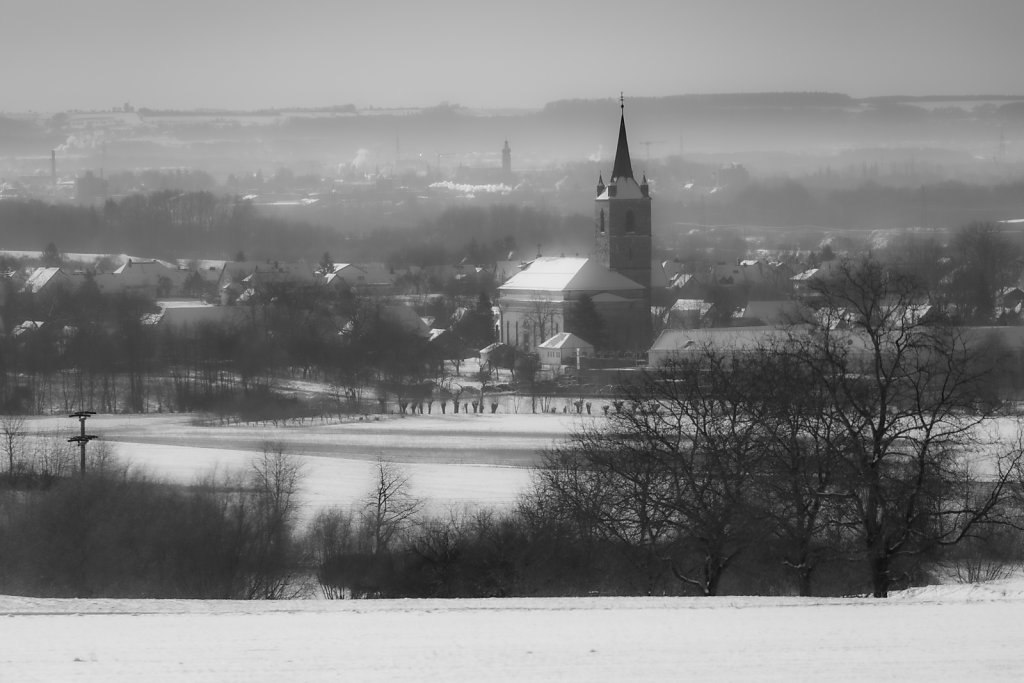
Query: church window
[[602, 221], [630, 222]]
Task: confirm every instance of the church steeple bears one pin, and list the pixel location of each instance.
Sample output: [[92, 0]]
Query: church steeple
[[622, 233], [623, 167]]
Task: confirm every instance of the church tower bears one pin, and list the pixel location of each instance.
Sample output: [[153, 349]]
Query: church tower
[[622, 217], [622, 233]]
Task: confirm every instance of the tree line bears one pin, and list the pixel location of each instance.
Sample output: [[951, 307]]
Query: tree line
[[111, 354], [173, 224], [869, 204]]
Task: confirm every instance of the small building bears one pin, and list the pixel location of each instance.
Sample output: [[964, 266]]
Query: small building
[[368, 278], [185, 316], [497, 355], [149, 278], [687, 314], [564, 349], [1010, 298], [44, 281], [241, 280], [683, 343], [404, 318]]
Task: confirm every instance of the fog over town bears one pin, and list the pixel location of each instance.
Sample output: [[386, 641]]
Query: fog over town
[[664, 335]]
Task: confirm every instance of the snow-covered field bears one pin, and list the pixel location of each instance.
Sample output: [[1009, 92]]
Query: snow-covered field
[[453, 461], [944, 633], [951, 633]]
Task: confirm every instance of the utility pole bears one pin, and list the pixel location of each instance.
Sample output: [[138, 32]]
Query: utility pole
[[82, 438]]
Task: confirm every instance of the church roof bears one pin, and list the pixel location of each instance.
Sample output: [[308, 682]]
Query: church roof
[[554, 273], [623, 167]]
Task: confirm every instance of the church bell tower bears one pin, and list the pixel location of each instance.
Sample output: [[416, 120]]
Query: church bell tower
[[622, 217]]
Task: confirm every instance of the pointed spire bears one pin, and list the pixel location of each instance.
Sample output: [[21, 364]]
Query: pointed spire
[[623, 168], [600, 183]]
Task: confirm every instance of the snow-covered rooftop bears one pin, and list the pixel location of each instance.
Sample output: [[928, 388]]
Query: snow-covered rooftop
[[565, 340], [574, 273]]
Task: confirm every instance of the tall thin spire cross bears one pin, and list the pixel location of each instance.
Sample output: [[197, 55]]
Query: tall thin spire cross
[[623, 168]]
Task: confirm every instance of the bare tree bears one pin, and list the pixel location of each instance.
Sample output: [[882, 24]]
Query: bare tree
[[540, 320], [12, 433], [389, 508], [909, 404], [798, 491], [672, 475], [275, 478], [332, 536]]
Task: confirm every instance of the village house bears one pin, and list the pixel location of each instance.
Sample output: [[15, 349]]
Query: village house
[[243, 280], [149, 278], [45, 281], [367, 278]]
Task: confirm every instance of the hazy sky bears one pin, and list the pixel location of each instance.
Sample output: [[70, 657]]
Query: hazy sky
[[75, 54]]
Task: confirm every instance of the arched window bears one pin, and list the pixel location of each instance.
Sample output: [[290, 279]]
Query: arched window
[[602, 221], [630, 222]]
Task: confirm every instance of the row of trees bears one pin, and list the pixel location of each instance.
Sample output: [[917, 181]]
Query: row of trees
[[100, 351], [863, 433], [189, 224], [869, 204]]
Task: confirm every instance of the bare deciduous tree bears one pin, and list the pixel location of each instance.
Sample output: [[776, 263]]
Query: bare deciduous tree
[[275, 477], [12, 433], [389, 507], [909, 402]]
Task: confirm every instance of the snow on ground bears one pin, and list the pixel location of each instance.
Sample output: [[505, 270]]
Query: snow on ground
[[341, 482], [453, 461], [936, 634]]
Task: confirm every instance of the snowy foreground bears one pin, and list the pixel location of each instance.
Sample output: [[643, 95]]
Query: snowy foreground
[[945, 633], [950, 633]]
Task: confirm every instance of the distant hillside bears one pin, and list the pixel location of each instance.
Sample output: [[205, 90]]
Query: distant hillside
[[803, 123]]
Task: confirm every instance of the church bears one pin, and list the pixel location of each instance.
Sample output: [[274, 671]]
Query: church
[[552, 295]]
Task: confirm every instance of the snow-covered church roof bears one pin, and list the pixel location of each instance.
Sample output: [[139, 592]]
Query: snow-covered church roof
[[574, 273]]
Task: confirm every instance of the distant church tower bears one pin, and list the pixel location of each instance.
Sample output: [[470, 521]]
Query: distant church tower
[[622, 217], [506, 161]]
